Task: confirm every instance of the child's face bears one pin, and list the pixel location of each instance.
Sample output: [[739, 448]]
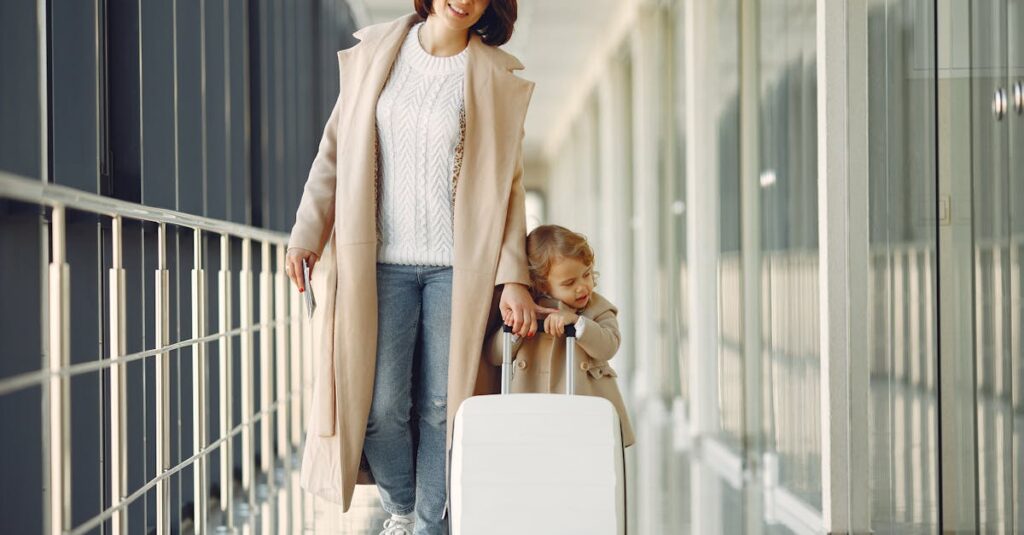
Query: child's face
[[571, 282]]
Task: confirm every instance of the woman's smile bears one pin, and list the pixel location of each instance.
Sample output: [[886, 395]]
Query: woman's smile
[[456, 12]]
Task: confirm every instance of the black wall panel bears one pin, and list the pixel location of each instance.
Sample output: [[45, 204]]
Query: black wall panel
[[210, 107], [215, 33], [159, 173], [189, 107], [74, 88], [21, 127]]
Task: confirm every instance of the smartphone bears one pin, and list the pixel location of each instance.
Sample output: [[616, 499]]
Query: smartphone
[[310, 300]]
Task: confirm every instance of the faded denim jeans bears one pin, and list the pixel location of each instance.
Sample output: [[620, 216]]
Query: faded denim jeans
[[414, 311]]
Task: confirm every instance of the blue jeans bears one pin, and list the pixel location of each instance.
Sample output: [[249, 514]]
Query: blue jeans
[[414, 318]]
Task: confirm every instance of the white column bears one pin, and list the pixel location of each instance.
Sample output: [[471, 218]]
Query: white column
[[649, 83], [586, 194], [615, 260], [647, 115], [843, 228], [702, 222], [702, 217]]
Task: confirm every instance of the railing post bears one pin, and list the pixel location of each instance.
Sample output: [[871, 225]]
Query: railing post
[[59, 445], [226, 398], [281, 372], [266, 370], [118, 459], [281, 355], [163, 386], [295, 313], [199, 395], [246, 303]]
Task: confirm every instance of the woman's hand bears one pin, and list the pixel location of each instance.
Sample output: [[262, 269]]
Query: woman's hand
[[293, 265], [555, 323], [519, 310]]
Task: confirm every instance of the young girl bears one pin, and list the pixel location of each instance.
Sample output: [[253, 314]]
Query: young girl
[[562, 274]]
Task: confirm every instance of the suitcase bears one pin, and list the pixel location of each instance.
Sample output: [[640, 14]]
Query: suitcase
[[537, 463]]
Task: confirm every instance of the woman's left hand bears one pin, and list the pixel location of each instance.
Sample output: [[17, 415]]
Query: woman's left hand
[[519, 310]]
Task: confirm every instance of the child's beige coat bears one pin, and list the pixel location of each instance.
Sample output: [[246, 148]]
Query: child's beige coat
[[539, 363]]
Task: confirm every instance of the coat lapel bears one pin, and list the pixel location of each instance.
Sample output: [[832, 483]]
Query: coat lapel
[[363, 76], [496, 104]]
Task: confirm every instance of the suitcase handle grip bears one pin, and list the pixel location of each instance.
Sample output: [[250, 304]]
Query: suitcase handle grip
[[570, 358], [570, 330]]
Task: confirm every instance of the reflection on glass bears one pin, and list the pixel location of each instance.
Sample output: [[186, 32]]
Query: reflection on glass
[[995, 261], [674, 223], [1016, 128], [730, 273], [902, 273], [789, 238]]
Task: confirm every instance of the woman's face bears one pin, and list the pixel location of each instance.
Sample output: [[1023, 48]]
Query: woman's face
[[460, 14]]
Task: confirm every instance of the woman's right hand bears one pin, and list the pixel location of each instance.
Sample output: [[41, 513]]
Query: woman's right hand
[[293, 265]]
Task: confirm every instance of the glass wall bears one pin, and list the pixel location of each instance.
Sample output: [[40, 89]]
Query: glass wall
[[788, 180], [725, 63], [997, 55], [902, 252]]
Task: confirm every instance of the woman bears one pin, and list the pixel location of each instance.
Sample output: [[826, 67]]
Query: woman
[[419, 178]]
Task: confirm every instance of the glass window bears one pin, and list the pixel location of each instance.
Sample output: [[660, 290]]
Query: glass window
[[789, 239]]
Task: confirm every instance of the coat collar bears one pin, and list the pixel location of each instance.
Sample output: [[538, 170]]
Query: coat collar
[[391, 34]]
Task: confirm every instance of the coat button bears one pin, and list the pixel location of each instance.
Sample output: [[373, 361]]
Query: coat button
[[521, 364], [584, 365]]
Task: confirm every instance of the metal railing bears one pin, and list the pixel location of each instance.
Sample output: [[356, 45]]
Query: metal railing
[[281, 328]]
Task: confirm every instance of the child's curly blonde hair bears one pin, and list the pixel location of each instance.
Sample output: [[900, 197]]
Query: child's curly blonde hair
[[547, 243]]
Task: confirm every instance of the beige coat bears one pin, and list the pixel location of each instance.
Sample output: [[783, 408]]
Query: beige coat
[[337, 216], [539, 363]]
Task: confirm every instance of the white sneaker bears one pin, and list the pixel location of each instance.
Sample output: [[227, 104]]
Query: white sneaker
[[398, 525]]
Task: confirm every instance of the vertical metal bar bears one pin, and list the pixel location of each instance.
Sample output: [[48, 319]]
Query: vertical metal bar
[[281, 355], [506, 360], [297, 364], [570, 360], [42, 40], [266, 372], [245, 304], [226, 399], [163, 386], [199, 439], [57, 389], [118, 459]]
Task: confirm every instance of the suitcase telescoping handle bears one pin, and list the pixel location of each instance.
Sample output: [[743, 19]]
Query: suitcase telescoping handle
[[570, 358]]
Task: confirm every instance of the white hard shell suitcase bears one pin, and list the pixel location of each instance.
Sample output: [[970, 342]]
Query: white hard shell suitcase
[[537, 464]]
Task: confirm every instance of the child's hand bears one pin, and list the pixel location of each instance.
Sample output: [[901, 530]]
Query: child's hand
[[555, 323]]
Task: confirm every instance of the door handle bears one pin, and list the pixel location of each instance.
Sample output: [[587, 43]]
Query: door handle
[[1018, 97], [999, 104]]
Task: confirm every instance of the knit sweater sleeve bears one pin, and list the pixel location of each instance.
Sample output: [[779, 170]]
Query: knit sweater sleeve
[[314, 219]]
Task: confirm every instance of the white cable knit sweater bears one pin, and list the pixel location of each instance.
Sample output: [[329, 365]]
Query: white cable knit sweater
[[419, 129]]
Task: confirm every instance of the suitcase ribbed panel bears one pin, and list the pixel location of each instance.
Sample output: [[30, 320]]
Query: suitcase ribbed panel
[[537, 464]]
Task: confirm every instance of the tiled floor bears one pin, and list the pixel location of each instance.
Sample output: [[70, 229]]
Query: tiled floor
[[365, 517], [289, 510]]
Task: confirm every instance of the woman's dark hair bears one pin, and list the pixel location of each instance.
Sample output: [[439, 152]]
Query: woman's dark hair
[[496, 24]]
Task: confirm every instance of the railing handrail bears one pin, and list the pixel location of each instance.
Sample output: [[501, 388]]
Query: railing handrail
[[30, 190]]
